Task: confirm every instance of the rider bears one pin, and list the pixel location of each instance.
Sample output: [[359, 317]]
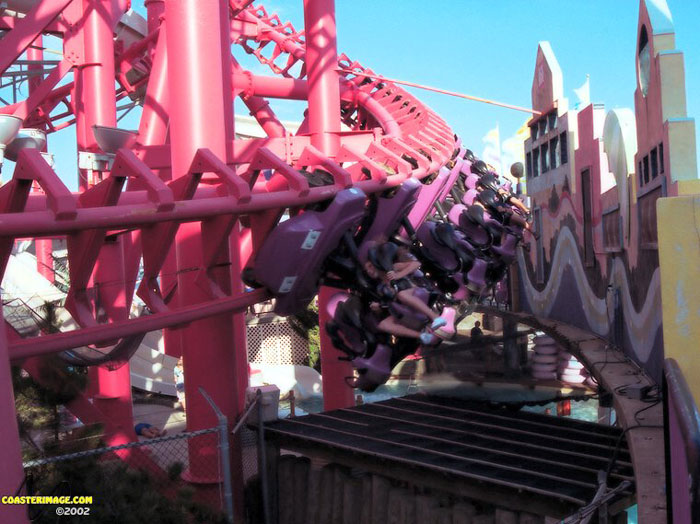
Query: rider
[[494, 196], [394, 285], [490, 181]]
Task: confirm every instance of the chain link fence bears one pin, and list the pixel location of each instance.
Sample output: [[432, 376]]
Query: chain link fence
[[248, 440], [166, 479], [176, 479]]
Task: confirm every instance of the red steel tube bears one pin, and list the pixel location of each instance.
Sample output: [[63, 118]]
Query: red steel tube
[[27, 29], [42, 247], [94, 88], [324, 126], [259, 107], [153, 128], [44, 259], [137, 211], [336, 393], [36, 346], [154, 9], [262, 112], [201, 116], [106, 333], [270, 86], [97, 80], [35, 53], [10, 452], [113, 392], [321, 71]]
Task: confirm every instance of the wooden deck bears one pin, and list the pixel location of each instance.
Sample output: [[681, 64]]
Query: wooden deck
[[524, 460]]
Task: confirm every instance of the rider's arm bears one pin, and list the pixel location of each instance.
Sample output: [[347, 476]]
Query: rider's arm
[[402, 269], [514, 200]]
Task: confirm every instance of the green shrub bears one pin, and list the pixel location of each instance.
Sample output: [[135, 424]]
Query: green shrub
[[121, 495], [306, 325]]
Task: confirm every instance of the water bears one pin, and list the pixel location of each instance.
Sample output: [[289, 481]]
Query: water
[[315, 404], [581, 410]]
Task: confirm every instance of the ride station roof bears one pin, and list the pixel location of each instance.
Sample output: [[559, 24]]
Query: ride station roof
[[545, 464]]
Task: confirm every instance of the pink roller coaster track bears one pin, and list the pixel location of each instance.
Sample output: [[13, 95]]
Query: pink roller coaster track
[[176, 196]]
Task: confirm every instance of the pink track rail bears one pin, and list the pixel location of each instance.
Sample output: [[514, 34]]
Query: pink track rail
[[186, 198], [394, 136]]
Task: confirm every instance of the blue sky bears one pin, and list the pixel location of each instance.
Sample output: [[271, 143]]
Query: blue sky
[[488, 49], [483, 48]]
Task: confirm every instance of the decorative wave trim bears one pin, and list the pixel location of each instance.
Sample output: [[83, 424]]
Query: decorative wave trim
[[641, 326]]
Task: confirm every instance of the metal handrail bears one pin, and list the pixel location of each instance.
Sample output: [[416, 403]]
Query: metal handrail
[[262, 457], [224, 444]]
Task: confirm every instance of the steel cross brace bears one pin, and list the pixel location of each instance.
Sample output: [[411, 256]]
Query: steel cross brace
[[266, 159], [311, 156], [362, 163], [84, 246], [217, 230], [13, 198], [27, 29], [398, 146]]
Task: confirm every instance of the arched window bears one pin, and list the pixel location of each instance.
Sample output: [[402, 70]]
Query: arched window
[[644, 58]]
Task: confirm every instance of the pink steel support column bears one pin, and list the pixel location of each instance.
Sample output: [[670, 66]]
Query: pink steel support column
[[324, 126], [10, 452], [227, 73], [336, 393], [113, 394], [154, 9], [35, 54], [321, 65], [44, 259], [153, 130], [98, 80], [94, 84], [238, 325], [96, 92], [201, 116], [240, 353], [44, 250]]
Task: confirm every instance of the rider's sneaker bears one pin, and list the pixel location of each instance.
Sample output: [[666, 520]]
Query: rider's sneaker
[[427, 338], [447, 330], [438, 323]]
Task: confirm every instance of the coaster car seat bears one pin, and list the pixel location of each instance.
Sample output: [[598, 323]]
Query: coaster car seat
[[291, 259]]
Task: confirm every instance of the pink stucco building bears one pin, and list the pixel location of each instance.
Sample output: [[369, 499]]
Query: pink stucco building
[[594, 177]]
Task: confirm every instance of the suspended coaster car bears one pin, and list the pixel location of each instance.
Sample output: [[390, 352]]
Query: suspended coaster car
[[343, 268], [354, 330], [290, 261], [464, 253], [387, 214]]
